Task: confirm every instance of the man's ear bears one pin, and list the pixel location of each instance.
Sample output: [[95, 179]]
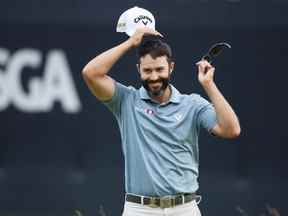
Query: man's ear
[[172, 66], [138, 68]]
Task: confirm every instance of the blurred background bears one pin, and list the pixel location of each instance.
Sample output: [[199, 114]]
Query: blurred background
[[60, 150]]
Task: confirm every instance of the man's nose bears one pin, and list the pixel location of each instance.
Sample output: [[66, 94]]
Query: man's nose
[[154, 76]]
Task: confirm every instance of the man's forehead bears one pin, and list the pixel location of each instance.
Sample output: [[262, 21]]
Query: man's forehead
[[147, 61]]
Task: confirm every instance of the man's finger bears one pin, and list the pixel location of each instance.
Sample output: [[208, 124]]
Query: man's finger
[[158, 33], [203, 61], [154, 32]]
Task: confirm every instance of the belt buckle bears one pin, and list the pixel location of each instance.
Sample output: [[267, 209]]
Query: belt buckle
[[167, 202], [153, 202]]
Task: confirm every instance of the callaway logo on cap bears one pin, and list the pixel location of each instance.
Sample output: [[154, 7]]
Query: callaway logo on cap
[[134, 18]]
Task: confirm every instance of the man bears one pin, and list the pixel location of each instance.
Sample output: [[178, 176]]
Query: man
[[159, 126]]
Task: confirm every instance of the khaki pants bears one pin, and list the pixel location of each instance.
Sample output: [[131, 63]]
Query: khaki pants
[[187, 209]]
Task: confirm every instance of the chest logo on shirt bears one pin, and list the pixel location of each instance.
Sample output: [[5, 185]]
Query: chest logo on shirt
[[149, 111], [178, 116]]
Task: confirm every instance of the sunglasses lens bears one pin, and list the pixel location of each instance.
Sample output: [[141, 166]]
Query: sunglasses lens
[[215, 50], [218, 48]]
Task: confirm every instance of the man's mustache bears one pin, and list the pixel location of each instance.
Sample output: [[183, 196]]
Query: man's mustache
[[154, 81]]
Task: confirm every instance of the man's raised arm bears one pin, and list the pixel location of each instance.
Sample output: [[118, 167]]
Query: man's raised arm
[[95, 72], [227, 122]]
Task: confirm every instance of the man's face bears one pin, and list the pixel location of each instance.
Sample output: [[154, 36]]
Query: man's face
[[155, 74]]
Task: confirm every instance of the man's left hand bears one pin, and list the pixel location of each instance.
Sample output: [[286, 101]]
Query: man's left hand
[[205, 72]]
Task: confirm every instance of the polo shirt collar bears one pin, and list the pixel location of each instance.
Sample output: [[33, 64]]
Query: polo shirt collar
[[174, 98]]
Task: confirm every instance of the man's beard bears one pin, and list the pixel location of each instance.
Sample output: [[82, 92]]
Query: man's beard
[[160, 92]]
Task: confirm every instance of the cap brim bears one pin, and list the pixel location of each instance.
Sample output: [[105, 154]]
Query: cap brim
[[130, 32]]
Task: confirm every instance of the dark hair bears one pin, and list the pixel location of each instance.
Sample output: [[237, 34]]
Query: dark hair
[[155, 47]]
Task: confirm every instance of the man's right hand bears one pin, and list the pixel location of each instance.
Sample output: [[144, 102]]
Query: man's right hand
[[95, 72], [137, 37]]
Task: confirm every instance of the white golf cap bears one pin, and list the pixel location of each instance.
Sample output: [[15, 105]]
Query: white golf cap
[[134, 18]]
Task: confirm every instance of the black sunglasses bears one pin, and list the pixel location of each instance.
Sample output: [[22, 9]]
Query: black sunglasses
[[215, 50]]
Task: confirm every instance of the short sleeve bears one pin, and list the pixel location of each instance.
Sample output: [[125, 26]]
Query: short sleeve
[[206, 114], [114, 104]]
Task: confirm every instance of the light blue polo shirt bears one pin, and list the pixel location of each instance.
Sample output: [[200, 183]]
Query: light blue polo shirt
[[160, 141]]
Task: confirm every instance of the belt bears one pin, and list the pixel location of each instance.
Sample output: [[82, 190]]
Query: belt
[[162, 202]]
